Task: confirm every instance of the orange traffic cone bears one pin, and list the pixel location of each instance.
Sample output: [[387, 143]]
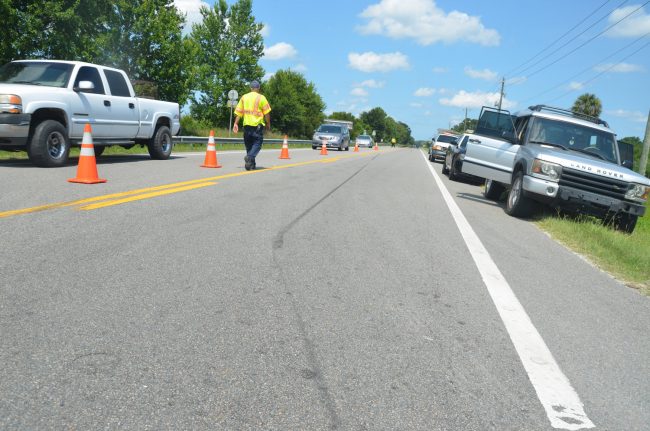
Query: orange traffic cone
[[284, 154], [323, 149], [211, 154], [356, 147], [376, 147], [87, 168]]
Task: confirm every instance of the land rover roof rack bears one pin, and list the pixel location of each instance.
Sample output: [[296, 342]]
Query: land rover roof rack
[[569, 113]]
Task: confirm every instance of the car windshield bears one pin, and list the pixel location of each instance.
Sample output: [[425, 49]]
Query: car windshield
[[574, 137], [329, 129], [446, 138], [36, 73], [364, 137]]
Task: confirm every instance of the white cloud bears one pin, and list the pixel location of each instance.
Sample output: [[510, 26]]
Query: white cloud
[[299, 68], [439, 69], [372, 62], [477, 99], [192, 11], [424, 92], [635, 116], [359, 92], [266, 30], [619, 68], [371, 83], [637, 24], [575, 85], [416, 105], [423, 21], [268, 76], [486, 74], [280, 51]]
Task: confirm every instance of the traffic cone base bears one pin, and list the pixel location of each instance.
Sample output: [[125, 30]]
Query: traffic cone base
[[284, 154], [356, 148], [323, 149], [87, 167], [211, 154]]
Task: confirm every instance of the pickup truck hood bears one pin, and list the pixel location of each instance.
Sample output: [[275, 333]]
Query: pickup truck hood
[[585, 163]]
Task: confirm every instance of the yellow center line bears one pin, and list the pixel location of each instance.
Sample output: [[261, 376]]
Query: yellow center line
[[145, 196], [149, 192]]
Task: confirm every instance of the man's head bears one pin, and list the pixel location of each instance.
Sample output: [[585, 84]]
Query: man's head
[[255, 86]]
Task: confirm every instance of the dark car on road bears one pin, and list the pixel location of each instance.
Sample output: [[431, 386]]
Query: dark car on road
[[453, 162]]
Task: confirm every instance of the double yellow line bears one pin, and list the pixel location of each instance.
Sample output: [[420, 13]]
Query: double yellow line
[[104, 201]]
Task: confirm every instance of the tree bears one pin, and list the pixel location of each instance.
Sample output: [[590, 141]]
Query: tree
[[229, 46], [297, 109], [376, 120], [638, 148], [53, 29], [469, 124], [145, 39], [588, 104]]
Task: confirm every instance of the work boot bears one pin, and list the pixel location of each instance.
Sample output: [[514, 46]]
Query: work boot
[[248, 164], [254, 165]]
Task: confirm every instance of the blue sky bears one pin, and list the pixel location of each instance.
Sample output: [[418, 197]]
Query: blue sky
[[425, 61]]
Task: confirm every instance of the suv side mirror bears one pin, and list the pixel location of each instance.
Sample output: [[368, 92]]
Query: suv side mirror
[[628, 164]]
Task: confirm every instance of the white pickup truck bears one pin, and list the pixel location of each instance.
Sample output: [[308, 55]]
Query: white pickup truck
[[558, 158], [45, 104]]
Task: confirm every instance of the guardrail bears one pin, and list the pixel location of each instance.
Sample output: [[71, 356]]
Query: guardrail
[[217, 140]]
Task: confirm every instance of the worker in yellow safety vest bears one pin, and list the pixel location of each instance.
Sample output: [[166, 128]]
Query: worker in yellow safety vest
[[255, 109]]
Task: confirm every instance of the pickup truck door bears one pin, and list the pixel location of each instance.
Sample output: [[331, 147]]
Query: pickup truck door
[[89, 106], [123, 107]]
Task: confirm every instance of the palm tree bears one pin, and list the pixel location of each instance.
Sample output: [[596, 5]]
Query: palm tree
[[588, 104]]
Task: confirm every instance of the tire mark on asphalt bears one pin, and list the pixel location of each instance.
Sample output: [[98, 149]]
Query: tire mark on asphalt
[[315, 372]]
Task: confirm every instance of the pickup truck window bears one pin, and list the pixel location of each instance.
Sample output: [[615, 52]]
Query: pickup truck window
[[117, 83], [574, 137], [91, 74], [36, 73]]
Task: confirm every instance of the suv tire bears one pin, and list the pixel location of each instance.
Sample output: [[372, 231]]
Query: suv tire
[[160, 145], [492, 190], [518, 205]]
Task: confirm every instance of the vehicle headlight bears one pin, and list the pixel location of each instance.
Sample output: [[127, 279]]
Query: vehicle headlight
[[11, 104], [551, 170], [638, 192]]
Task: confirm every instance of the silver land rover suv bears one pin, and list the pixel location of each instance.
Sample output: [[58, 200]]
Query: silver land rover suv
[[556, 157]]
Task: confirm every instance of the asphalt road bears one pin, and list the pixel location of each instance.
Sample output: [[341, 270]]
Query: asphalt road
[[318, 293]]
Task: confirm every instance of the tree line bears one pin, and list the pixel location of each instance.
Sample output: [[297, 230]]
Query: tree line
[[146, 39]]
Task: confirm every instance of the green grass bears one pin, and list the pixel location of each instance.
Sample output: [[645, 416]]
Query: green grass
[[626, 257]]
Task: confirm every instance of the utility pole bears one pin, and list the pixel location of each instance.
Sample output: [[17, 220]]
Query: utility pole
[[503, 82], [646, 146]]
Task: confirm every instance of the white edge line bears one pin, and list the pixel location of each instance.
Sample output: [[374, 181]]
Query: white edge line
[[561, 402]]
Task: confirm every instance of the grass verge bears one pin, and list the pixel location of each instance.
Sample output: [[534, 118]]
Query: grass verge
[[626, 257]]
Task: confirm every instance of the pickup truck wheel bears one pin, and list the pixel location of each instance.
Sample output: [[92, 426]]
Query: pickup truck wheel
[[625, 222], [492, 190], [49, 146], [160, 145], [518, 205]]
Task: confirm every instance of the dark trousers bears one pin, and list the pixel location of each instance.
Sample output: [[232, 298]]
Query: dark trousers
[[253, 137]]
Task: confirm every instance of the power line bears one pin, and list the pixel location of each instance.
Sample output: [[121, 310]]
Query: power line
[[566, 33], [588, 40], [603, 72], [587, 69]]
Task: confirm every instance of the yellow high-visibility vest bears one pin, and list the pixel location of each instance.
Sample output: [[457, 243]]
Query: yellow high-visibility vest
[[253, 106]]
